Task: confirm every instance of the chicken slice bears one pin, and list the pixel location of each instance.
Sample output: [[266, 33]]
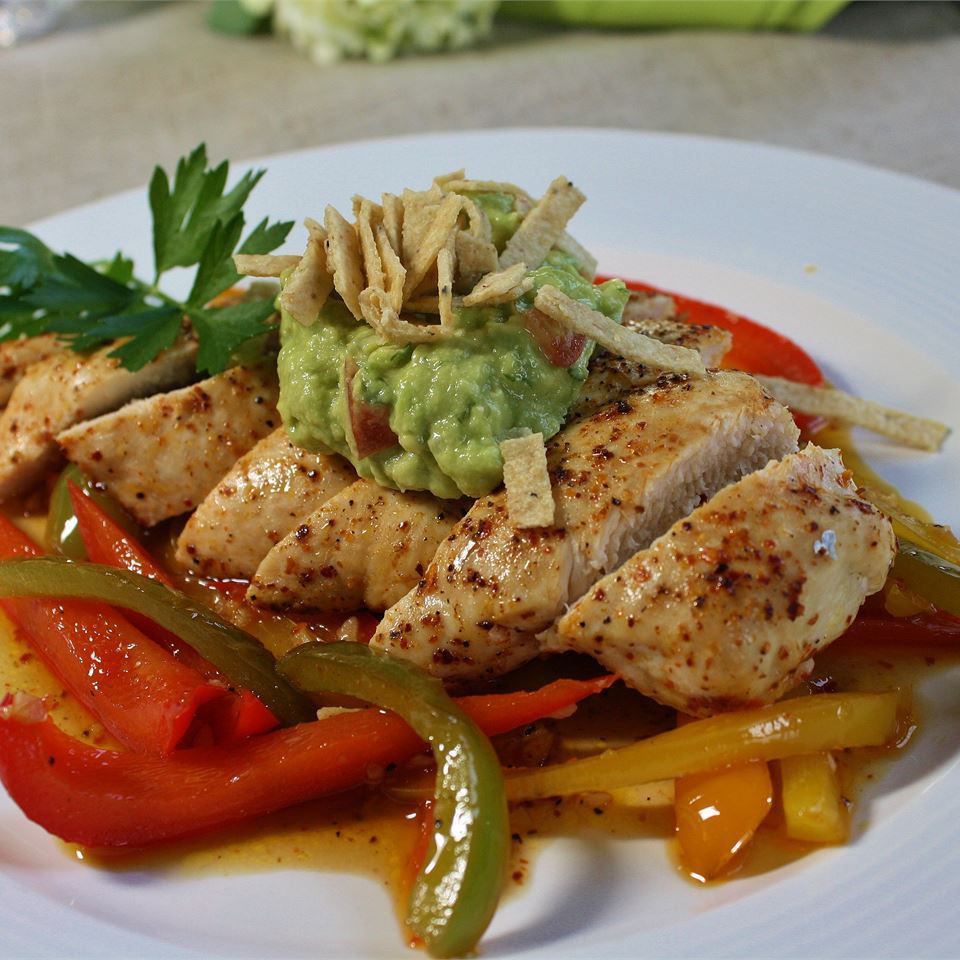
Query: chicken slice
[[17, 356], [365, 547], [612, 376], [620, 478], [643, 305], [725, 609], [161, 456], [67, 388], [266, 493]]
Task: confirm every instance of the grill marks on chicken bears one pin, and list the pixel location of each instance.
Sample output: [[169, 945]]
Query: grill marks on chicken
[[365, 547], [160, 456], [266, 493], [725, 610], [67, 388], [620, 479]]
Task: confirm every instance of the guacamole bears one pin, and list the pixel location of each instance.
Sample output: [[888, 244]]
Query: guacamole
[[450, 402]]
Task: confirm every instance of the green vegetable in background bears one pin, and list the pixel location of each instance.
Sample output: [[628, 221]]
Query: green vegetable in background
[[457, 889], [196, 224]]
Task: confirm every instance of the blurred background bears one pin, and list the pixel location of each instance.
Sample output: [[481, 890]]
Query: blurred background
[[102, 91]]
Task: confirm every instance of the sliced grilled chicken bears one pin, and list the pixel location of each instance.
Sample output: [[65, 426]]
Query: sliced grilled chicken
[[612, 376], [620, 478], [161, 456], [643, 306], [365, 547], [726, 608], [265, 495], [67, 388], [711, 343], [16, 356]]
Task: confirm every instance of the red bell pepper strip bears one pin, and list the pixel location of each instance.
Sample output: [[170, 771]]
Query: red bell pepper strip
[[232, 717], [141, 694], [937, 628], [104, 798]]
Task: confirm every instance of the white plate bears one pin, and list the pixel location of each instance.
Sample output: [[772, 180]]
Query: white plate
[[858, 265]]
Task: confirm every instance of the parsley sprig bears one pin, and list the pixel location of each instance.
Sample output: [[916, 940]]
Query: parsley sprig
[[196, 223]]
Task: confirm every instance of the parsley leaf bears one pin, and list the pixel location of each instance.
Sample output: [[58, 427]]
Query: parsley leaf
[[21, 267], [185, 216], [150, 331], [197, 223], [233, 327]]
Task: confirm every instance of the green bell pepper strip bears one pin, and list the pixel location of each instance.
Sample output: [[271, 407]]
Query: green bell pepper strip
[[933, 577], [62, 534], [456, 892], [235, 653]]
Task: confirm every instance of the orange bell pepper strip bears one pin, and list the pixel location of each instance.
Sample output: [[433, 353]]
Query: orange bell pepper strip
[[140, 692], [718, 813], [239, 713], [105, 798]]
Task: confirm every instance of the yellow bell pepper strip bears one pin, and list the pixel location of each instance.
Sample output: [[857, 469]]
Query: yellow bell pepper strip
[[457, 890], [236, 654], [933, 577], [814, 809], [828, 721], [62, 534]]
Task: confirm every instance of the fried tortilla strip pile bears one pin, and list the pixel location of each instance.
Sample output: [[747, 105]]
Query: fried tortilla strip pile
[[403, 265]]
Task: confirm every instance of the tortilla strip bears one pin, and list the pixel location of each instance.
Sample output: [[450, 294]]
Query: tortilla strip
[[343, 259], [542, 226], [392, 207], [419, 212], [585, 259], [920, 433], [527, 482], [444, 223], [394, 274], [441, 180], [429, 304], [385, 320], [309, 286], [264, 264], [475, 258], [489, 186], [445, 268], [369, 216], [479, 223], [618, 340], [500, 287]]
